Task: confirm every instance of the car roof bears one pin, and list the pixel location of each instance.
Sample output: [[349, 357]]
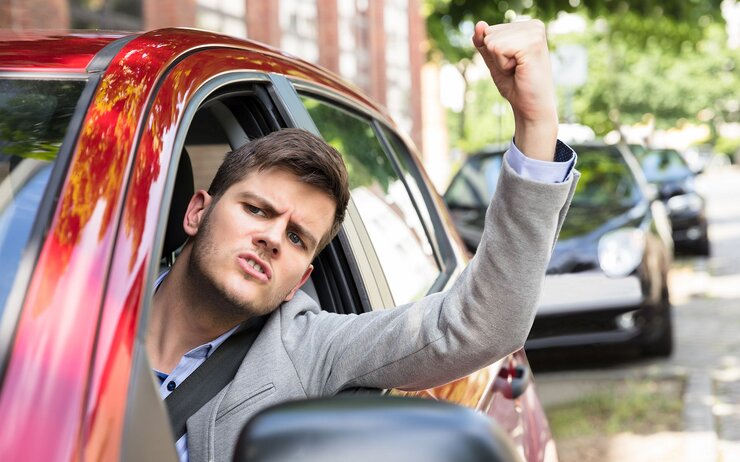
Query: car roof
[[74, 52], [51, 51]]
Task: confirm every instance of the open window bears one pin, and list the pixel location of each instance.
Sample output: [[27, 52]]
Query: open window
[[223, 122], [215, 124]]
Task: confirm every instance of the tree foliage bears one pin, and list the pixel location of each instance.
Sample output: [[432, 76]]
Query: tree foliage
[[648, 61], [449, 21], [629, 84]]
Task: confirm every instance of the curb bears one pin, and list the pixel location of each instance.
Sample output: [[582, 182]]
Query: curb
[[700, 433]]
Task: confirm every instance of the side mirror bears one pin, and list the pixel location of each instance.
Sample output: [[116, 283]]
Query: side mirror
[[371, 429]]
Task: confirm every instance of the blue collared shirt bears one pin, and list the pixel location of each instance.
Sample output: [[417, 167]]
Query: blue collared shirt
[[188, 363]]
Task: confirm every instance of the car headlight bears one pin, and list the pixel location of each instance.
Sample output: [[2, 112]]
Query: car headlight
[[621, 251], [684, 202]]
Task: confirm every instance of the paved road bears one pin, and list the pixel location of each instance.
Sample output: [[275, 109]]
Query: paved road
[[706, 297]]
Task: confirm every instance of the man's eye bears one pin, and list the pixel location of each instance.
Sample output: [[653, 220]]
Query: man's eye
[[294, 238], [255, 210]]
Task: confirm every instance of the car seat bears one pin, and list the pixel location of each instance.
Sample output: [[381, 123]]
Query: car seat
[[184, 189]]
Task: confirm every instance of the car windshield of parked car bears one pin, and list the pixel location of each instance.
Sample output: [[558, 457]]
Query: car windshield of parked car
[[34, 115], [606, 180], [662, 165], [474, 185]]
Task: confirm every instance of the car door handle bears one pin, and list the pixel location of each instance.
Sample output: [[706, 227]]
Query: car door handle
[[512, 382], [520, 380]]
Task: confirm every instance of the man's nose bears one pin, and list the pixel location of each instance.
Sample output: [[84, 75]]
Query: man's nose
[[269, 237]]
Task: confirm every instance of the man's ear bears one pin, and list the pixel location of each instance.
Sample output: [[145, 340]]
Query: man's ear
[[298, 286], [197, 209]]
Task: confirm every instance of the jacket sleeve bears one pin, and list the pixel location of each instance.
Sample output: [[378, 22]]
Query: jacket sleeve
[[485, 315]]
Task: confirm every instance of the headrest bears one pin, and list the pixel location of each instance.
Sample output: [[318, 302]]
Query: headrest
[[175, 235]]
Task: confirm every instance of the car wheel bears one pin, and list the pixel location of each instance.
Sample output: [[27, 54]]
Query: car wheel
[[702, 246], [662, 343]]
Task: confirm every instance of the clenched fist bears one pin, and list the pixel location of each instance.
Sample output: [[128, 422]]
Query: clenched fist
[[517, 57]]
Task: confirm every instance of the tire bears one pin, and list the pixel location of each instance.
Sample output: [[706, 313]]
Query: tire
[[702, 246], [662, 344]]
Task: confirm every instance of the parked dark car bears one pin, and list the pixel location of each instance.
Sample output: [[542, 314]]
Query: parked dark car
[[103, 139], [607, 278], [668, 170]]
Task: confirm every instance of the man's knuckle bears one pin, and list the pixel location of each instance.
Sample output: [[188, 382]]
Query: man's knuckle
[[538, 24]]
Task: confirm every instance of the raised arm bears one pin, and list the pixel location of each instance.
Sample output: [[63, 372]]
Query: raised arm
[[489, 310]]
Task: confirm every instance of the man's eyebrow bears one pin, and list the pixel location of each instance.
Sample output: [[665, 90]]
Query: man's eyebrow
[[267, 206], [306, 235]]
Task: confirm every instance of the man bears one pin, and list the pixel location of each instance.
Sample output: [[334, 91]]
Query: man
[[272, 207]]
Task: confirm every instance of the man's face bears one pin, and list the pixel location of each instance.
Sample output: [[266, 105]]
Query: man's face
[[254, 245]]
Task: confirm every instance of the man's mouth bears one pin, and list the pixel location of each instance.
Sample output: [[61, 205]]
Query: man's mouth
[[255, 267]]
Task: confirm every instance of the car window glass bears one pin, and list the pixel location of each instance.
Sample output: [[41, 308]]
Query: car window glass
[[34, 115], [663, 165], [404, 163], [387, 211]]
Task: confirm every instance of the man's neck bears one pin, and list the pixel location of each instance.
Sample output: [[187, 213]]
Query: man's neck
[[178, 322]]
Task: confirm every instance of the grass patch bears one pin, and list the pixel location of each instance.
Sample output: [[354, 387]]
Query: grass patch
[[641, 407]]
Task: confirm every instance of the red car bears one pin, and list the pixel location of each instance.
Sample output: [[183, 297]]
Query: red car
[[103, 138]]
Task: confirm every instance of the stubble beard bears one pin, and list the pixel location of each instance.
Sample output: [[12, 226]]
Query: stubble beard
[[223, 304]]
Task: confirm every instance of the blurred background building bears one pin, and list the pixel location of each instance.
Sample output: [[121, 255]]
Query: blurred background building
[[379, 45], [415, 58]]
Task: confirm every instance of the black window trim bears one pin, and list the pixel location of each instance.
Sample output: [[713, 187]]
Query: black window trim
[[295, 114]]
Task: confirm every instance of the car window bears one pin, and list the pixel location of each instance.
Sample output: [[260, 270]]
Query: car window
[[663, 165], [388, 213], [34, 115], [402, 157]]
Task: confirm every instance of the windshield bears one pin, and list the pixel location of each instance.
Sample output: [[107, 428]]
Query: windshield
[[34, 115], [662, 165], [474, 185], [606, 180]]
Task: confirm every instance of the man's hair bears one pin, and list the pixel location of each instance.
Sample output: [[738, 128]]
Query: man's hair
[[296, 151]]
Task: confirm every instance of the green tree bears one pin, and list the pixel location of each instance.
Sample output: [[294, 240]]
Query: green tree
[[630, 82], [635, 47]]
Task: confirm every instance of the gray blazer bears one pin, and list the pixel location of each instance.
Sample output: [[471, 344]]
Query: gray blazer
[[304, 352]]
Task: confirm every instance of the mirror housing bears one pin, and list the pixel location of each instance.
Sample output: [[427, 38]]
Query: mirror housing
[[371, 429]]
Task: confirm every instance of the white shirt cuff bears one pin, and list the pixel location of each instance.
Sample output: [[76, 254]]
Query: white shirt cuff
[[539, 170]]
